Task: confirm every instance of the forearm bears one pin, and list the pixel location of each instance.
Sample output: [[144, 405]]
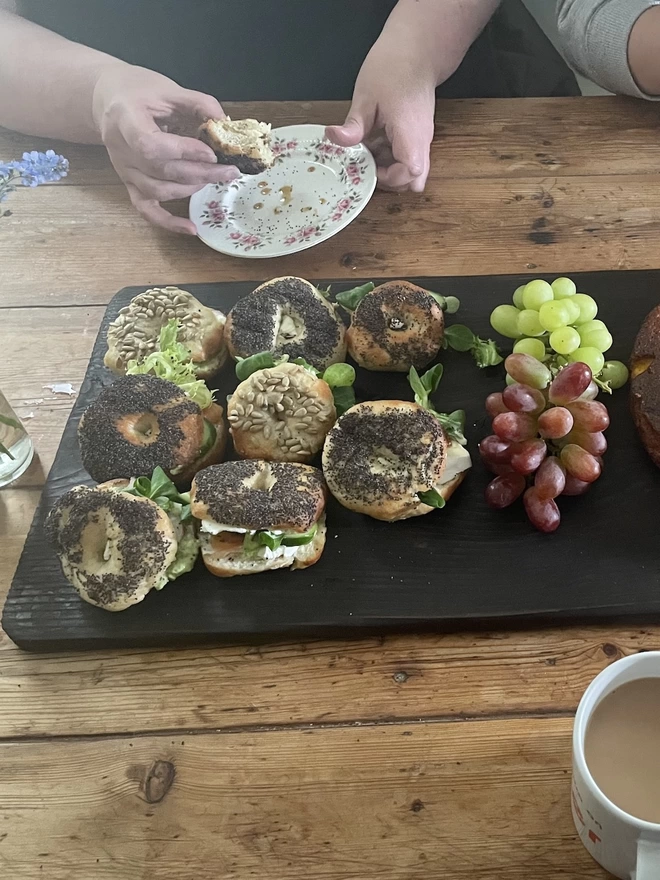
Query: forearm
[[439, 32], [613, 42], [47, 82]]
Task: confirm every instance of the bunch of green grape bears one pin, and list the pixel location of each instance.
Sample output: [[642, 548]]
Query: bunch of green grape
[[553, 322]]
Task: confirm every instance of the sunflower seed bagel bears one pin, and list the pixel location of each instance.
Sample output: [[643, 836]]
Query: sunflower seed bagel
[[135, 331]]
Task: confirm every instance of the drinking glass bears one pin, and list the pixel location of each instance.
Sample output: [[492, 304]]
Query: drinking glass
[[16, 449]]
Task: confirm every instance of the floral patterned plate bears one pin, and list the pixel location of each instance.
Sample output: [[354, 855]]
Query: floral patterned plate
[[313, 191]]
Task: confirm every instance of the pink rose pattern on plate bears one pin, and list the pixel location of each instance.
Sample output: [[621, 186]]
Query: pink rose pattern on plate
[[216, 216]]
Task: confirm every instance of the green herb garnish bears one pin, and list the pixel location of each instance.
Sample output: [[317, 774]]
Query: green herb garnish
[[161, 489], [173, 362], [264, 360], [448, 304], [351, 299], [423, 387], [484, 351], [252, 543], [432, 498]]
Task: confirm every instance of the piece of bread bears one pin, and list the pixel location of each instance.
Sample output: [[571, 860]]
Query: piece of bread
[[287, 316], [136, 424], [135, 332], [395, 327], [244, 143], [645, 384], [223, 554], [381, 454], [114, 548], [256, 495], [281, 414]]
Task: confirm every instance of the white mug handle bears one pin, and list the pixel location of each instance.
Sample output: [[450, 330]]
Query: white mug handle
[[648, 861]]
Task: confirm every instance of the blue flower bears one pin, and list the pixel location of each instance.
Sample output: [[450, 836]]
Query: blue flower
[[35, 168]]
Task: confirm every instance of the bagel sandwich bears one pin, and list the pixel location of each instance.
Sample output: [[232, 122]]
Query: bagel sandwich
[[244, 143], [392, 460], [135, 334], [118, 541], [287, 317], [258, 516], [142, 422], [394, 327]]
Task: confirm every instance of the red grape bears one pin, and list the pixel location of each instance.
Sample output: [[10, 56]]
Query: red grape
[[528, 456], [572, 381], [555, 422], [504, 490], [542, 513], [494, 450], [495, 405], [550, 479], [594, 443], [580, 463], [515, 426], [590, 415], [575, 486], [523, 398], [526, 369]]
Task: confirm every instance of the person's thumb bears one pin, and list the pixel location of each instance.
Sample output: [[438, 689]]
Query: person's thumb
[[355, 129], [200, 105]]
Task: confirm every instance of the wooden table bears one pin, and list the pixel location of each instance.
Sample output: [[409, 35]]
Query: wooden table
[[442, 756]]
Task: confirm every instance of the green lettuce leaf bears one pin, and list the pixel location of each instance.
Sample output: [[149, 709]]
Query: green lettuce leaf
[[172, 362]]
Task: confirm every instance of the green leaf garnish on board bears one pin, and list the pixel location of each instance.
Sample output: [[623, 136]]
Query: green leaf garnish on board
[[423, 387], [432, 498], [351, 299], [484, 351]]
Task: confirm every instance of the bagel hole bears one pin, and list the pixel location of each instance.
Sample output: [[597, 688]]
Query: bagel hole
[[263, 480], [141, 430], [396, 324], [384, 461], [291, 327]]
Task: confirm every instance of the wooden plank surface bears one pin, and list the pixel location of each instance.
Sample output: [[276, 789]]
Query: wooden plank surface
[[452, 801]]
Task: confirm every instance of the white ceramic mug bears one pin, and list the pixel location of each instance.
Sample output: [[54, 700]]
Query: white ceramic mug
[[625, 846]]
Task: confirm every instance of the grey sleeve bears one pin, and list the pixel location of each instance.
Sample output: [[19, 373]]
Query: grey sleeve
[[594, 40]]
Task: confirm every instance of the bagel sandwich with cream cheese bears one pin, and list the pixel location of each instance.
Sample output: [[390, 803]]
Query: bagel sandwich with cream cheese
[[118, 541], [258, 516]]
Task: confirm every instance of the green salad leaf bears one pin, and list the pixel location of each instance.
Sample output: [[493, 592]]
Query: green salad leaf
[[432, 498], [161, 489], [172, 362], [484, 351], [263, 360], [423, 387], [253, 543], [448, 304], [351, 299]]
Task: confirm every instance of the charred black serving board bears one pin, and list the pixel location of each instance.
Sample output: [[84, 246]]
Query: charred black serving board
[[459, 567]]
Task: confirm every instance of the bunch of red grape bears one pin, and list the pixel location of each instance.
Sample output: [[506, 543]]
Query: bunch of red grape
[[548, 437]]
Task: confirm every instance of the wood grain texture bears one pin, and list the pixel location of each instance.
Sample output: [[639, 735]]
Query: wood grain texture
[[457, 801], [454, 676], [459, 227]]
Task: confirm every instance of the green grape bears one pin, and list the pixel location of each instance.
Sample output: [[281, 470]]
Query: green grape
[[533, 347], [510, 380], [565, 340], [616, 373], [591, 357], [529, 324], [528, 370], [518, 297], [553, 315], [595, 337], [504, 319], [572, 308], [592, 325], [588, 307], [563, 288], [536, 293]]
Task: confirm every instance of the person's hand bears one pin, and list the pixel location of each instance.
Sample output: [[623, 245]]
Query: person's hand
[[393, 112], [135, 111]]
